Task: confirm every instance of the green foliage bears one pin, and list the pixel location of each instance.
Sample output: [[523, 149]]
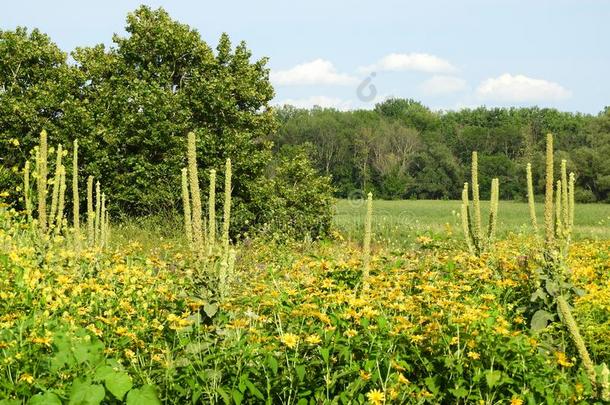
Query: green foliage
[[131, 105], [294, 201], [367, 150]]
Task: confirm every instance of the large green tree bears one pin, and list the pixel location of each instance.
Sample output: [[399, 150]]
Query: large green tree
[[159, 82]]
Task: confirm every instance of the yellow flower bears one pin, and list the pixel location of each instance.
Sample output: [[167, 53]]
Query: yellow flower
[[473, 355], [350, 333], [313, 339], [562, 359], [402, 379], [290, 340], [27, 378], [364, 375], [376, 397], [516, 401]]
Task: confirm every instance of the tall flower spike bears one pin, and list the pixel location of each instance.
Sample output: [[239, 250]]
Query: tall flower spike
[[56, 186], [61, 200], [366, 254], [476, 205], [548, 195], [565, 209], [26, 190], [41, 182], [530, 197], [103, 222], [465, 213], [195, 193], [98, 209], [227, 210], [212, 212], [75, 197], [558, 221], [564, 309], [90, 212], [571, 201], [493, 210], [186, 205]]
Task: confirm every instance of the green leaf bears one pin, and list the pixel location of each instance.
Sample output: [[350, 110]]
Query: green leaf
[[459, 392], [118, 383], [237, 396], [210, 309], [492, 377], [432, 385], [254, 391], [300, 369], [48, 398], [146, 395], [324, 352], [85, 393], [540, 320], [272, 362], [225, 397]]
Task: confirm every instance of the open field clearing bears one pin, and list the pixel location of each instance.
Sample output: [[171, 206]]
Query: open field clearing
[[401, 222]]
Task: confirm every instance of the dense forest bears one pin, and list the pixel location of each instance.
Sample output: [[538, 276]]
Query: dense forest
[[401, 149]]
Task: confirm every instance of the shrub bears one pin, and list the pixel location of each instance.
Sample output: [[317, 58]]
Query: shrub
[[295, 201]]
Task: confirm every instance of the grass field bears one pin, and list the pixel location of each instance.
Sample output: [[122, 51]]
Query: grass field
[[400, 222]]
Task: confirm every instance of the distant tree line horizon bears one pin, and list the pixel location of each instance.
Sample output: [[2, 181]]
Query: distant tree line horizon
[[402, 150]]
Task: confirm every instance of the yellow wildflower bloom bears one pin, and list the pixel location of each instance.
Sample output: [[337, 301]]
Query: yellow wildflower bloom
[[376, 397], [290, 340]]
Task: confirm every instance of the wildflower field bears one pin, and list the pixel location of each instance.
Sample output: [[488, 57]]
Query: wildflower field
[[437, 325], [470, 315]]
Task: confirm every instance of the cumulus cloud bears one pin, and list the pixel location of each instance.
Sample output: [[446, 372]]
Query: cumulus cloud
[[318, 71], [421, 62], [320, 101], [520, 88], [437, 85]]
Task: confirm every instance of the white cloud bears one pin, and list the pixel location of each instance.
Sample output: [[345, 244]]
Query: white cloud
[[443, 85], [318, 71], [321, 101], [421, 62], [519, 88]]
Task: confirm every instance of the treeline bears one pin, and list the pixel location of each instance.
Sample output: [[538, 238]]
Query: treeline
[[401, 149]]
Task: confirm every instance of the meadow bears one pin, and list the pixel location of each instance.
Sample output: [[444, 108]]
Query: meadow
[[419, 302], [400, 222]]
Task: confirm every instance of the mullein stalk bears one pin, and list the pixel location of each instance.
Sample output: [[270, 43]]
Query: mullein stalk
[[565, 209], [476, 204], [195, 193], [56, 186], [558, 212], [107, 228], [90, 212], [212, 212], [366, 254], [466, 219], [571, 201], [564, 309], [186, 205], [605, 383], [75, 197], [530, 198], [26, 190], [41, 183], [493, 210], [548, 196], [61, 200], [227, 209], [98, 209], [103, 222]]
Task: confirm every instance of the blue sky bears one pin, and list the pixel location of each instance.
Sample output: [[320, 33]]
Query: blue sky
[[447, 54]]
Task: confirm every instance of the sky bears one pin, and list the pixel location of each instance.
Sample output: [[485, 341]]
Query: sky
[[352, 54]]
